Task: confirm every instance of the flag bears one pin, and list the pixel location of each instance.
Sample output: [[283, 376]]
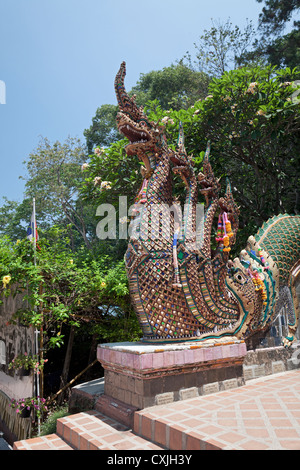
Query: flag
[[32, 230]]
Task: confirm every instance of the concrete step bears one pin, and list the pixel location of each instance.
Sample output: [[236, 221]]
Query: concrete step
[[89, 430]]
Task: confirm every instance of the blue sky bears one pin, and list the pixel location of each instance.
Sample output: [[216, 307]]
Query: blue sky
[[58, 60]]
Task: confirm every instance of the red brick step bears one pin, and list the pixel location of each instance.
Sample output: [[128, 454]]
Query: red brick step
[[50, 442], [89, 430]]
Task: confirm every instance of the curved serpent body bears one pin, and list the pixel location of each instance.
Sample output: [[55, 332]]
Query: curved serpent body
[[179, 288]]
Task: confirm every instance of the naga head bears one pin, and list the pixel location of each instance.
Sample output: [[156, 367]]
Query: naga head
[[227, 204], [183, 163], [144, 136], [247, 282], [210, 185]]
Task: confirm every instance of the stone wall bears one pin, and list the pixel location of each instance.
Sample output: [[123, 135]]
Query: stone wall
[[14, 339]]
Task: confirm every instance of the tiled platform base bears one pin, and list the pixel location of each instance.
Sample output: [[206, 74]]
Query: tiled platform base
[[142, 375], [264, 414]]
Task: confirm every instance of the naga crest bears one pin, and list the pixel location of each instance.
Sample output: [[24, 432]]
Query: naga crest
[[181, 288], [132, 122]]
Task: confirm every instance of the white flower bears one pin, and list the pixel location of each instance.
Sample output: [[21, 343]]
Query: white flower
[[105, 185], [84, 166], [165, 119], [99, 151], [252, 87], [261, 112], [97, 180], [234, 135]]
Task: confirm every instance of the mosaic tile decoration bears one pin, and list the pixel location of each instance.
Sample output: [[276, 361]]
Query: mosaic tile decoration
[[179, 287]]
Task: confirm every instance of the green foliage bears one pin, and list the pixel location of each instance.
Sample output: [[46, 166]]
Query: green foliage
[[114, 166], [13, 217], [54, 177], [177, 86], [276, 13], [220, 48], [36, 404], [103, 130], [274, 46], [285, 50], [49, 425], [63, 289], [251, 117]]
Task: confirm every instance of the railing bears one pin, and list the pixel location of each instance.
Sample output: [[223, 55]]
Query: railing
[[19, 427]]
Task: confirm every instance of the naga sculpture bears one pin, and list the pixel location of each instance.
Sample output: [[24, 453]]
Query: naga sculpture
[[182, 290]]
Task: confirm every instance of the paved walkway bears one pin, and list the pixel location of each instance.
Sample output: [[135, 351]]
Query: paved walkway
[[264, 414]]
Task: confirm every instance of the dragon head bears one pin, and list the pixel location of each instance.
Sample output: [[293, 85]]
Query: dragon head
[[227, 204], [144, 136], [248, 289], [183, 163], [210, 185]]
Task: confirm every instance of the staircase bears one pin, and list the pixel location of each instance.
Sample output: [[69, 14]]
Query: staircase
[[264, 414], [88, 430]]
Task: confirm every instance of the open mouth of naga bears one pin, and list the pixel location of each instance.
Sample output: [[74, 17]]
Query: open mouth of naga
[[134, 135]]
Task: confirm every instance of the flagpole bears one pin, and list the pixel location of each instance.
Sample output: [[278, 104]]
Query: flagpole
[[36, 330], [34, 231]]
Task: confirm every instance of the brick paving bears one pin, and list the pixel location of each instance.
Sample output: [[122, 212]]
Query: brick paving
[[264, 414]]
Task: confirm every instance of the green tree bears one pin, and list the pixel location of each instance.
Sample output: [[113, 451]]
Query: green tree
[[103, 130], [177, 86], [285, 50], [219, 49], [276, 13], [67, 292], [15, 218], [54, 177], [109, 174], [251, 116], [273, 46]]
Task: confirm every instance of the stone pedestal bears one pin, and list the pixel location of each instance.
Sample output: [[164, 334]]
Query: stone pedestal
[[139, 375]]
